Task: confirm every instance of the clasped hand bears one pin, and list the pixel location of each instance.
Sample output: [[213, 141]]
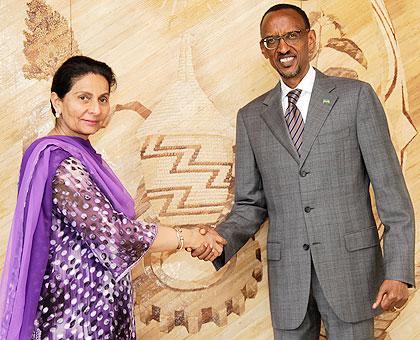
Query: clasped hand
[[210, 244]]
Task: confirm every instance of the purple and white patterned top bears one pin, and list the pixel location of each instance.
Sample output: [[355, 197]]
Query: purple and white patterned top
[[86, 291]]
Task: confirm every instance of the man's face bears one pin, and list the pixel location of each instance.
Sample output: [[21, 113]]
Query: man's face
[[291, 60]]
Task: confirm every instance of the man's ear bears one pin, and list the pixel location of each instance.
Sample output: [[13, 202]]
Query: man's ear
[[311, 41]]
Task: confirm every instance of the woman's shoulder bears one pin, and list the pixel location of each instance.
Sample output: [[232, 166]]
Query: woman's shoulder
[[61, 141], [40, 144], [42, 155], [35, 144], [57, 146]]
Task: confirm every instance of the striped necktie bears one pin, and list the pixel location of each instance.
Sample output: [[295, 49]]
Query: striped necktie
[[294, 119]]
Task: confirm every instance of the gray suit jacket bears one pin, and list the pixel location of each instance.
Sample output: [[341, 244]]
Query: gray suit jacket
[[319, 204]]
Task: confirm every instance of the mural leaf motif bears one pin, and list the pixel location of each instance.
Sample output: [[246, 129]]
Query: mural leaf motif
[[349, 47], [341, 72], [49, 41]]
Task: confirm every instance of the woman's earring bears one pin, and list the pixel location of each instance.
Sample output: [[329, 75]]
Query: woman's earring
[[57, 113]]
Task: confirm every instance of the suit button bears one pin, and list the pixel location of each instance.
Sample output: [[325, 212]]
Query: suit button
[[303, 173], [306, 246], [308, 209]]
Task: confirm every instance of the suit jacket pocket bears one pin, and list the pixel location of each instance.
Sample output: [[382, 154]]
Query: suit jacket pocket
[[362, 239], [273, 251], [334, 135]]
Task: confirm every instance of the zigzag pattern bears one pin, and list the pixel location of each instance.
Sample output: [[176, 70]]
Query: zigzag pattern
[[185, 162]]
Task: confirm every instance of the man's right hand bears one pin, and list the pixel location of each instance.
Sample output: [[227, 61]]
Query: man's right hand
[[204, 252]]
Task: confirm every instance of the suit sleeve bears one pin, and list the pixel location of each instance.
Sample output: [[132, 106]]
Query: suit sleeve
[[249, 210], [392, 199]]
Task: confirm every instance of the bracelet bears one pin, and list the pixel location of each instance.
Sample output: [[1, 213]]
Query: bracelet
[[180, 238], [399, 309]]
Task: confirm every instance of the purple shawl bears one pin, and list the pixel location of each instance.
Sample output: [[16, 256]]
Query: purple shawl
[[27, 250]]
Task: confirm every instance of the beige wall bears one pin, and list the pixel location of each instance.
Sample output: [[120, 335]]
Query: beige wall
[[193, 63]]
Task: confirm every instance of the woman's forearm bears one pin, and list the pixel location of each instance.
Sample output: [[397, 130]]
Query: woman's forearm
[[167, 239]]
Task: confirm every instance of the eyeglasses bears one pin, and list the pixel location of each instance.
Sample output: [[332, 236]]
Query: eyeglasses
[[290, 38]]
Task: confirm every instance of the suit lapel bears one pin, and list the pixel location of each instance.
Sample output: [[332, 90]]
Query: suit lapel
[[320, 105], [273, 117]]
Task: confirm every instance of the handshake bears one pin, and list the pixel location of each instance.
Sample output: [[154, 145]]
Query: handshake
[[208, 243]]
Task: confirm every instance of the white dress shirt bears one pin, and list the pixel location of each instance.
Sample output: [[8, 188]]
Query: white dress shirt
[[306, 85]]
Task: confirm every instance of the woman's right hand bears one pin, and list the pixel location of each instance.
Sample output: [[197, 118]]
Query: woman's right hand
[[208, 239]]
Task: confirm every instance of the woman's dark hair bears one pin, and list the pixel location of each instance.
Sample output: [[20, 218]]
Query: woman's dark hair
[[279, 7], [76, 67]]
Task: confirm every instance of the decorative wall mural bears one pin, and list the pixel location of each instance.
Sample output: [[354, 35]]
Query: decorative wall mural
[[187, 165], [330, 34], [49, 41], [184, 68], [188, 181]]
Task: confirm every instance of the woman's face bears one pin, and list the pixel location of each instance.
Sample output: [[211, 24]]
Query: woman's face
[[84, 108]]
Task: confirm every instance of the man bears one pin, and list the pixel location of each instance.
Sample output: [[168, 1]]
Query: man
[[307, 152]]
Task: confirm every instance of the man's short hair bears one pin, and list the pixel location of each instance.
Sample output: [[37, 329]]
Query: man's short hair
[[299, 10]]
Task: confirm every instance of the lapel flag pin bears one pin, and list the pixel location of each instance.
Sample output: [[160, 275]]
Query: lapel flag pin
[[325, 101]]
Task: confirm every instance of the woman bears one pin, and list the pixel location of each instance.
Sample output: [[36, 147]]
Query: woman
[[74, 238]]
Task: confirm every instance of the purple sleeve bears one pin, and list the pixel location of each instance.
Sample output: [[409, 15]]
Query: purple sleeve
[[118, 242]]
